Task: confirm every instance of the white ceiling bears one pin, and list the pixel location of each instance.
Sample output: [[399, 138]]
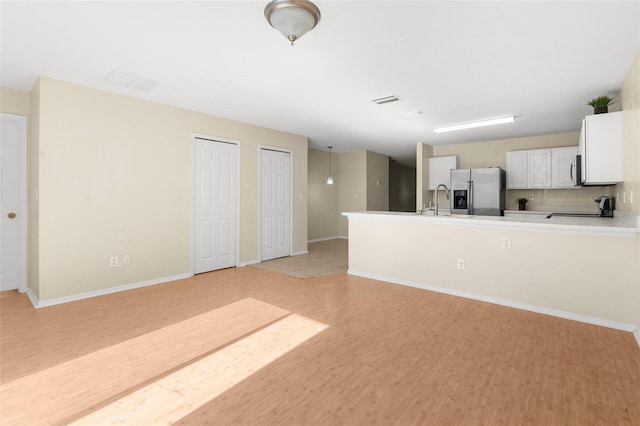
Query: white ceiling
[[455, 61]]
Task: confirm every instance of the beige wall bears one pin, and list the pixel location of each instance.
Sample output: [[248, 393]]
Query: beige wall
[[352, 186], [114, 178], [355, 188], [629, 99], [323, 198], [581, 274], [423, 195], [33, 203], [377, 181], [14, 101]]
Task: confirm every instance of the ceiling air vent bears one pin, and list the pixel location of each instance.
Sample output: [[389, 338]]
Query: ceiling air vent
[[130, 81], [386, 100]]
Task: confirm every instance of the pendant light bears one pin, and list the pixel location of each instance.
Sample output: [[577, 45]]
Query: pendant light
[[293, 18], [329, 179]]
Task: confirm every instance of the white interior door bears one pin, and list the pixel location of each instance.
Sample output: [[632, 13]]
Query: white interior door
[[215, 204], [13, 204], [275, 199]]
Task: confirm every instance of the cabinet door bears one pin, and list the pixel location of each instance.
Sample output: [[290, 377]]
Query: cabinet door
[[540, 168], [563, 166], [603, 148], [440, 170], [517, 169]]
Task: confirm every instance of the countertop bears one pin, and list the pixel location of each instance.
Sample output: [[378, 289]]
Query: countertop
[[623, 225]]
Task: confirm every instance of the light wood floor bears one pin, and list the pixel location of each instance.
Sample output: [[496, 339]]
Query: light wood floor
[[390, 355]]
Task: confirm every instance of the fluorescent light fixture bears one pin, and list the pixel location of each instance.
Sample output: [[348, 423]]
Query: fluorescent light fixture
[[386, 100], [472, 124]]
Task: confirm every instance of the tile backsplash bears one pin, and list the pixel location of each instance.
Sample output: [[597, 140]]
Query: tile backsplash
[[546, 199]]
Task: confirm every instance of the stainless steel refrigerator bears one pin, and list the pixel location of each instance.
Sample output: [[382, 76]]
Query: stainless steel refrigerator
[[478, 191]]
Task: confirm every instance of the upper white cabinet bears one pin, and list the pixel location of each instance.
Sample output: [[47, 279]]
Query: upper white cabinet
[[600, 149], [517, 169], [440, 170], [541, 168], [563, 167]]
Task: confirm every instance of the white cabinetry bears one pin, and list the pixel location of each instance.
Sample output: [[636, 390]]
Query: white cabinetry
[[517, 169], [440, 170], [563, 167], [601, 149], [539, 168]]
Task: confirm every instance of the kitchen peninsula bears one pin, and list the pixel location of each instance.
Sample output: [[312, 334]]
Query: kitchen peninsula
[[578, 268]]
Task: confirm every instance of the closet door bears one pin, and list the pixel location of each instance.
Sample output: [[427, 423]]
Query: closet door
[[215, 204], [275, 203]]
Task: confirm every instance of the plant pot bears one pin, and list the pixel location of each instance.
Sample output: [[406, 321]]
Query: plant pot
[[522, 206], [601, 110]]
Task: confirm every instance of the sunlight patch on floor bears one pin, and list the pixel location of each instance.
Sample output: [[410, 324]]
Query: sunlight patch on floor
[[174, 396]]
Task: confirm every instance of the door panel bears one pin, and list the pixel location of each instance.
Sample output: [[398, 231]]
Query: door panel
[[275, 204], [13, 203], [215, 205]]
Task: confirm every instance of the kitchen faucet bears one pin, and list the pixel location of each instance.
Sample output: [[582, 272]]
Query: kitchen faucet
[[436, 195]]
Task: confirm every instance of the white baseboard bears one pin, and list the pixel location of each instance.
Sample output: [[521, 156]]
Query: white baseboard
[[510, 303], [328, 238], [66, 299], [250, 262], [298, 253], [317, 240]]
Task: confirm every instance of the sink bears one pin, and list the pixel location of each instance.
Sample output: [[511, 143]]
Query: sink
[[461, 216]]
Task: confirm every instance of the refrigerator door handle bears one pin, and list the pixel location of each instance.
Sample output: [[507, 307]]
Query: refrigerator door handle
[[470, 206]]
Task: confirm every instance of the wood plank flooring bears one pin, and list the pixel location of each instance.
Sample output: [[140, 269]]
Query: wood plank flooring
[[391, 354], [100, 376]]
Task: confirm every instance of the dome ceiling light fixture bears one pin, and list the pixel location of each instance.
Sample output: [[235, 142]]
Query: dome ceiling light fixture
[[293, 18]]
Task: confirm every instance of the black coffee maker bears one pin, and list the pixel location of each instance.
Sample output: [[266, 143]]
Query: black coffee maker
[[605, 206]]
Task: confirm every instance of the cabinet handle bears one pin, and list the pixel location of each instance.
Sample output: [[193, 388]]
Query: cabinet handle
[[571, 167]]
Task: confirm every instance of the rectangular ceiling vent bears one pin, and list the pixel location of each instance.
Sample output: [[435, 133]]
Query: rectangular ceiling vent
[[386, 100]]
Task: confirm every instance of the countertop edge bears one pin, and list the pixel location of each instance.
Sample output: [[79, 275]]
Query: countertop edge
[[498, 222]]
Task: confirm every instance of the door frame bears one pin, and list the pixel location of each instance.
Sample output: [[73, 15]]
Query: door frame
[[195, 136], [290, 152], [21, 121]]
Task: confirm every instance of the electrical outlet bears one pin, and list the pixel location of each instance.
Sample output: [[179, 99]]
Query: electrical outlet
[[631, 196], [460, 264], [113, 261], [506, 243], [126, 260], [531, 196]]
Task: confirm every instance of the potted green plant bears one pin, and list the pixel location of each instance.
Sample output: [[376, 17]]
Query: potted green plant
[[601, 104], [522, 203]]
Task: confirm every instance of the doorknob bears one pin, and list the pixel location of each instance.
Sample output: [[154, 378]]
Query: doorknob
[[11, 215]]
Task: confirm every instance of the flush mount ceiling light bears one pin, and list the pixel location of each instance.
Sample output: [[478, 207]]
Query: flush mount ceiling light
[[293, 18], [472, 124], [329, 179]]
